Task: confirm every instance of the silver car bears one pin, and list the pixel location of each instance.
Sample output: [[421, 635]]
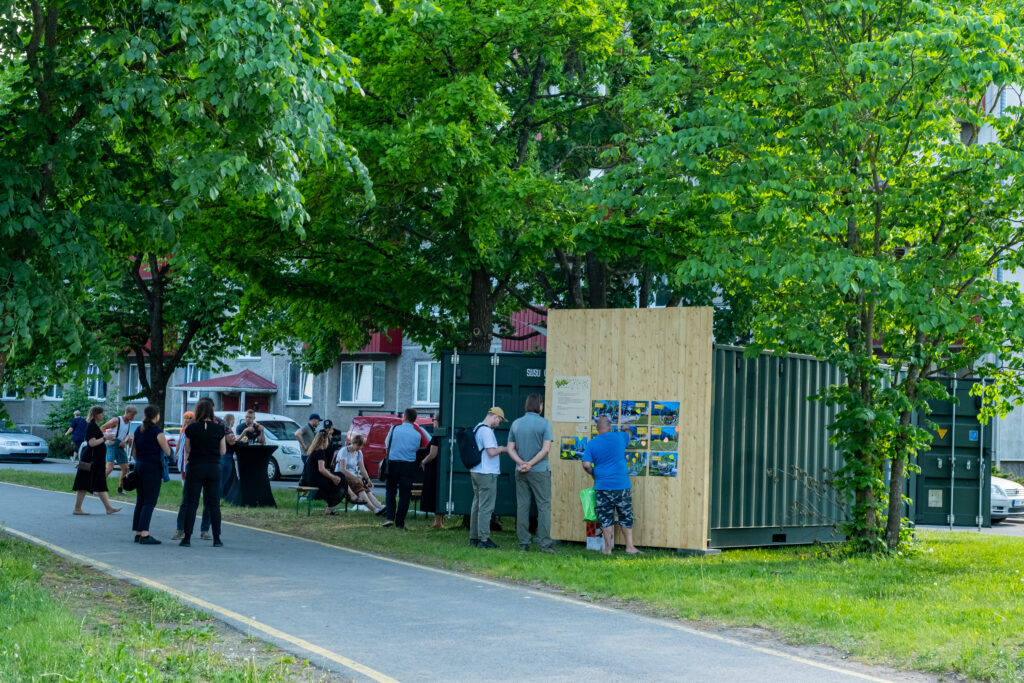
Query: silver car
[[18, 445], [1007, 499]]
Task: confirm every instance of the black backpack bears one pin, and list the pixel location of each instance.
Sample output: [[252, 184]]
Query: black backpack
[[468, 451]]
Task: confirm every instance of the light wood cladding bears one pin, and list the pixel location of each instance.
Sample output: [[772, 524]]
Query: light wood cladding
[[659, 354]]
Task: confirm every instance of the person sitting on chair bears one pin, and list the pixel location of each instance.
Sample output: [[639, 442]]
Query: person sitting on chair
[[330, 487], [349, 464]]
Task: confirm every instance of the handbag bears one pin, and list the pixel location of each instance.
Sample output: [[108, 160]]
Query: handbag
[[84, 466], [131, 481], [589, 500]]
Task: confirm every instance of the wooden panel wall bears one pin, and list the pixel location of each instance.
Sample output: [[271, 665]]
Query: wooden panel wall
[[638, 354]]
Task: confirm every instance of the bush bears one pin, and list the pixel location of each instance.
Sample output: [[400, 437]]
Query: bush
[[60, 445]]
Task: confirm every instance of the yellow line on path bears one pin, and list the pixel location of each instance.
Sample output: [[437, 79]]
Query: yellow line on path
[[496, 584], [210, 607]]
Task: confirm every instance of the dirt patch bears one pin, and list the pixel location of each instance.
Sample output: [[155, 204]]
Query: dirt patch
[[106, 606]]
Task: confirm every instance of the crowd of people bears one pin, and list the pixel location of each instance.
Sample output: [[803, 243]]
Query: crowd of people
[[335, 467]]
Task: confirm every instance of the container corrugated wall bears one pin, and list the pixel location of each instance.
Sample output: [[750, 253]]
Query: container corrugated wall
[[771, 463]]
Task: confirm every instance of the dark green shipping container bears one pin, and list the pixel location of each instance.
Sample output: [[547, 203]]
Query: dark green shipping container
[[771, 462]]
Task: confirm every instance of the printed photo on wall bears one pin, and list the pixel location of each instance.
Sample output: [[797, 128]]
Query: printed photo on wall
[[664, 465], [665, 413], [573, 447], [636, 412], [593, 431], [664, 439], [636, 461], [638, 438], [609, 409]]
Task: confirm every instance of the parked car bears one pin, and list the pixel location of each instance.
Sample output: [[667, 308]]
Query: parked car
[[1007, 499], [280, 430], [16, 444], [172, 432], [374, 428]]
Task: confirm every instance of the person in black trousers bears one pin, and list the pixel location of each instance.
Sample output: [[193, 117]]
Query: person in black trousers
[[205, 443], [150, 447]]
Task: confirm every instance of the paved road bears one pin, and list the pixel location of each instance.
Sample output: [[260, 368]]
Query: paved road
[[426, 624]]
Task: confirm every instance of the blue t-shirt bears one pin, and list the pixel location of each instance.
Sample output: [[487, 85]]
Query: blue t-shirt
[[404, 441], [608, 453], [78, 427]]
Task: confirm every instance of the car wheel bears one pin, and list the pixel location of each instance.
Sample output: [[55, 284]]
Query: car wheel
[[38, 461], [998, 520], [273, 471]]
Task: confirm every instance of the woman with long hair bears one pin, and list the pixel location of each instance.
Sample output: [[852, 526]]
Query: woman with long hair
[[94, 479], [349, 464], [330, 487], [205, 443], [431, 474], [150, 448]]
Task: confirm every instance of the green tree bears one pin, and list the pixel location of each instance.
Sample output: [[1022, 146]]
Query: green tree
[[461, 102], [118, 123], [821, 149]]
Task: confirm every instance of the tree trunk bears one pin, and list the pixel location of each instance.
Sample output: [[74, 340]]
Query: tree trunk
[[597, 282], [645, 287], [896, 472], [481, 312]]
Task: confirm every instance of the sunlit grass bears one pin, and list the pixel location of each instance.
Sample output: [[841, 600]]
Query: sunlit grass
[[956, 604]]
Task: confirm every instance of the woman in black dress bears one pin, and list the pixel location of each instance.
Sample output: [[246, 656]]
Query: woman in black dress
[[205, 443], [95, 480], [329, 486], [431, 472]]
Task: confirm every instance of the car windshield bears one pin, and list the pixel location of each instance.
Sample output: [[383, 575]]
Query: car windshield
[[10, 430], [280, 430]]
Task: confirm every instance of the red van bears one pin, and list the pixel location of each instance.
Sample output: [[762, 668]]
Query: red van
[[374, 429]]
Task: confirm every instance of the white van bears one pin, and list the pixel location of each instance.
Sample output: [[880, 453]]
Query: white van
[[280, 431]]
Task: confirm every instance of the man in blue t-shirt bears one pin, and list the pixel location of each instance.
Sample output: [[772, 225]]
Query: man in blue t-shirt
[[605, 460], [77, 432], [402, 443]]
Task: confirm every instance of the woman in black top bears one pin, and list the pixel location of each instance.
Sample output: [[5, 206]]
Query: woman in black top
[[431, 473], [150, 447], [95, 480], [205, 443], [328, 485]]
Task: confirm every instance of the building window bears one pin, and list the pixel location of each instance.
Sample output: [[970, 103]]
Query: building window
[[133, 385], [54, 392], [245, 355], [427, 383], [96, 385], [194, 374], [9, 394], [362, 383], [300, 385]]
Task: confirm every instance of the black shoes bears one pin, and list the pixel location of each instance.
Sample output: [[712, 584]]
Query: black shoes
[[217, 543], [524, 547], [473, 542], [186, 542], [380, 511], [486, 544], [148, 540], [120, 490], [138, 537]]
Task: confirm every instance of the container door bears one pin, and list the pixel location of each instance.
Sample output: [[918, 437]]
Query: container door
[[953, 486], [470, 384]]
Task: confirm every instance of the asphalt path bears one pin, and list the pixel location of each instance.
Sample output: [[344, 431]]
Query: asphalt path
[[376, 618]]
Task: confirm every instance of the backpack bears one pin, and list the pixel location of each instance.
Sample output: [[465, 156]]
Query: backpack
[[468, 450]]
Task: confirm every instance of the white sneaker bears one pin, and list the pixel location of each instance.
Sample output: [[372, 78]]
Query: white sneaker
[[206, 536], [178, 535]]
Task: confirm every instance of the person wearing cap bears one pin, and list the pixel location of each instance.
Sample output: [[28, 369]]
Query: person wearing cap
[[402, 443], [485, 479], [305, 434]]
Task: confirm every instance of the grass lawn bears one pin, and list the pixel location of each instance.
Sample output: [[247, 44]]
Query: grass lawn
[[955, 605], [62, 621]]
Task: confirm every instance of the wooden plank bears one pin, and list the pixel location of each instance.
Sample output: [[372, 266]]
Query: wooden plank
[[639, 354]]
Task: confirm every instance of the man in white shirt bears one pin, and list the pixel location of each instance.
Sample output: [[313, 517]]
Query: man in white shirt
[[485, 479]]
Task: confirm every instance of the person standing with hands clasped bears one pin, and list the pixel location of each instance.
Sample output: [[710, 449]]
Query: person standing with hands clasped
[[485, 479], [150, 447], [529, 442], [605, 460]]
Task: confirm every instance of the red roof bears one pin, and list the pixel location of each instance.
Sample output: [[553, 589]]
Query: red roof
[[521, 321], [246, 380]]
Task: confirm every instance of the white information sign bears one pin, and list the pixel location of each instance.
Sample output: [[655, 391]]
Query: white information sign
[[571, 398]]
